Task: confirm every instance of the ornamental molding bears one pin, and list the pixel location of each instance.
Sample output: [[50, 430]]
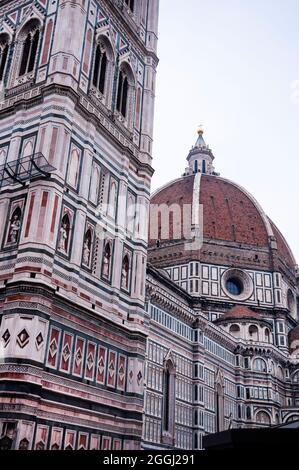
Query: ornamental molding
[[168, 302]]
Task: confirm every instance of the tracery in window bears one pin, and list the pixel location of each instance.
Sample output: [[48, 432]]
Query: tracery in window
[[29, 50]]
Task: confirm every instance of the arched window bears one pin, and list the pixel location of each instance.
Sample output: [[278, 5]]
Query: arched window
[[64, 236], [259, 365], [263, 418], [196, 166], [125, 273], [122, 93], [235, 330], [169, 396], [126, 95], [253, 332], [204, 167], [130, 4], [4, 46], [100, 68], [267, 335], [292, 418], [28, 149], [29, 51], [248, 412], [106, 260]]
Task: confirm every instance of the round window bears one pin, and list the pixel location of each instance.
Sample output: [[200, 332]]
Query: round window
[[234, 286], [237, 284]]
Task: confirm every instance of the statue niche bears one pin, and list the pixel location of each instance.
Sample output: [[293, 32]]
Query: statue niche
[[87, 247], [14, 227], [64, 234]]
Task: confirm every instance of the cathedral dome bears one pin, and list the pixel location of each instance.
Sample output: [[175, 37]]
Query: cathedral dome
[[234, 228]]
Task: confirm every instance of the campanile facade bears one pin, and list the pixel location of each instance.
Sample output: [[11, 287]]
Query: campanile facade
[[77, 88]]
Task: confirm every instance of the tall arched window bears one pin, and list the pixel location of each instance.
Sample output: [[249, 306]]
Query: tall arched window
[[122, 93], [259, 365], [100, 69], [235, 330], [253, 332], [4, 46], [267, 335], [29, 51], [263, 418], [196, 166], [168, 399], [125, 99]]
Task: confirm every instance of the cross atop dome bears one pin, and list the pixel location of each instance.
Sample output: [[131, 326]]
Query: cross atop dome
[[200, 157]]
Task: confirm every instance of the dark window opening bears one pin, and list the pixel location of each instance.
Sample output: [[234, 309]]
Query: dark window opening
[[166, 399], [99, 76], [234, 286], [122, 94], [3, 59], [29, 52]]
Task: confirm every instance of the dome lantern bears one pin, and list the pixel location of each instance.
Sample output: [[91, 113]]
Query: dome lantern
[[200, 157]]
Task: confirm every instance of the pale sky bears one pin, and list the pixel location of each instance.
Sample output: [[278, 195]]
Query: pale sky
[[233, 66]]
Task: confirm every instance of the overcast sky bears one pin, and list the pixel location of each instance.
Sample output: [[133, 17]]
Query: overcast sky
[[233, 66]]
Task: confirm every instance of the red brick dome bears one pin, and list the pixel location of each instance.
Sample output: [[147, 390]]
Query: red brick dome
[[230, 216]]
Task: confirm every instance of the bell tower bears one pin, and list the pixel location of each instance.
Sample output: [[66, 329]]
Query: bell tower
[[77, 91]]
